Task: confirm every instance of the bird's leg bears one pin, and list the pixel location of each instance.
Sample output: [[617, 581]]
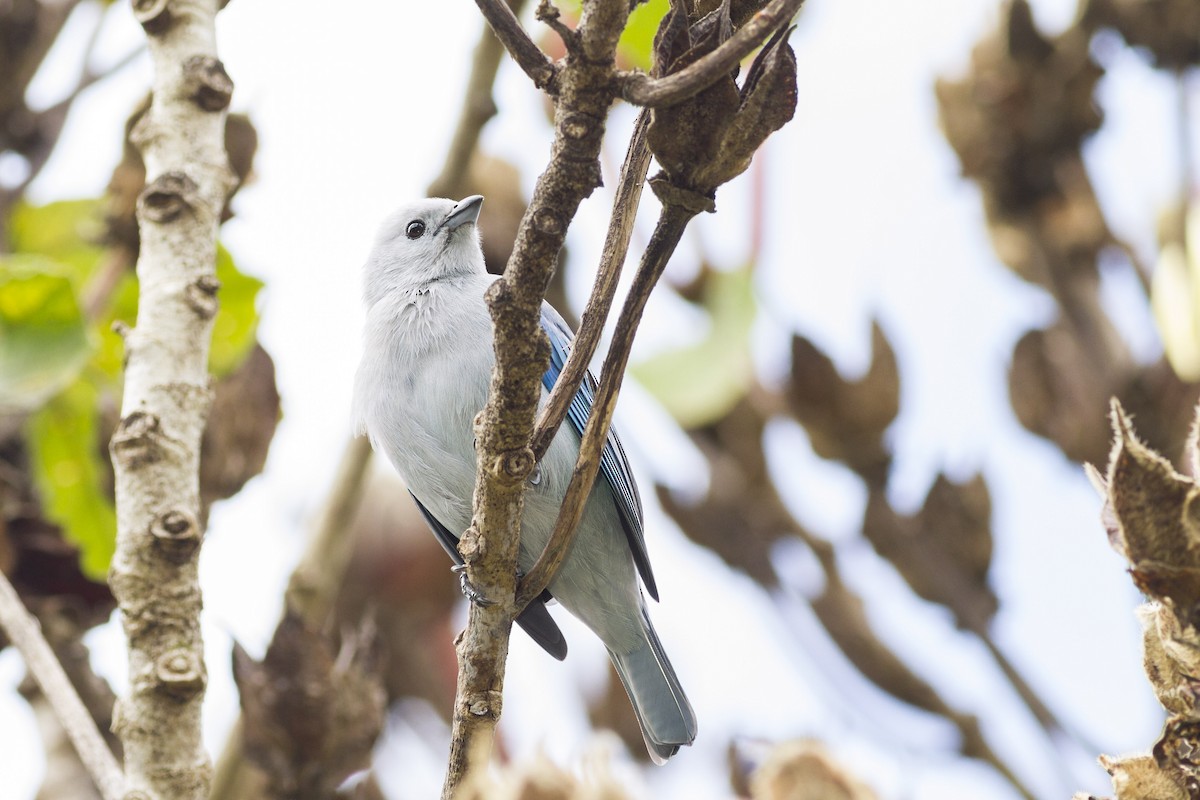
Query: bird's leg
[[470, 592]]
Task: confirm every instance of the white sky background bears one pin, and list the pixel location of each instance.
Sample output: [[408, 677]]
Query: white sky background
[[354, 109]]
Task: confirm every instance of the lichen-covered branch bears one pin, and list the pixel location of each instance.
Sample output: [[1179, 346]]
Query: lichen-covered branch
[[156, 447]]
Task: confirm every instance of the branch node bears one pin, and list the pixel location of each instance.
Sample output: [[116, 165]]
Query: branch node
[[177, 534], [168, 197], [201, 296], [136, 442], [669, 194], [547, 221], [579, 126], [154, 15], [518, 464], [180, 673], [486, 706], [207, 83]]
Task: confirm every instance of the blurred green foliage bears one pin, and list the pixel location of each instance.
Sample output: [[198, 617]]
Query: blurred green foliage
[[60, 368], [43, 343], [700, 383], [637, 41]]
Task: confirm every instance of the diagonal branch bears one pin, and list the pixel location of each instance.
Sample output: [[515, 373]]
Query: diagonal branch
[[529, 57], [667, 233], [643, 90], [22, 629], [616, 244]]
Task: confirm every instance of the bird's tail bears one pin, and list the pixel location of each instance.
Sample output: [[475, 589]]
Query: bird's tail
[[662, 709]]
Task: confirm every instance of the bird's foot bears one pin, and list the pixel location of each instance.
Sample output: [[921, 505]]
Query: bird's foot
[[470, 592]]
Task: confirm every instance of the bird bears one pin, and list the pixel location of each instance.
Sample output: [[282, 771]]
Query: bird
[[424, 374]]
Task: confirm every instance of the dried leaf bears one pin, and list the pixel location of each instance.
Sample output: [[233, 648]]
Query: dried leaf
[[805, 770], [310, 716], [1167, 29], [944, 551], [846, 420], [1139, 778], [1057, 391], [240, 427], [1149, 498], [1171, 657], [769, 102]]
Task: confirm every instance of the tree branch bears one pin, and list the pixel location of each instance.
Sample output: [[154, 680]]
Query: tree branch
[[23, 631], [505, 426], [667, 233], [612, 258], [529, 57], [643, 90], [156, 447]]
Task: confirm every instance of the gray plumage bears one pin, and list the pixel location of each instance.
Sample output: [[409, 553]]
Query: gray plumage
[[426, 365]]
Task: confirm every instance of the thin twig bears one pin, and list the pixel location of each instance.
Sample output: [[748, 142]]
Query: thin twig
[[313, 587], [529, 57], [23, 630], [477, 108], [643, 90], [667, 233], [612, 258]]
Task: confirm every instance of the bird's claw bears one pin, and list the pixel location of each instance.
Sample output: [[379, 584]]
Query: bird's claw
[[470, 592]]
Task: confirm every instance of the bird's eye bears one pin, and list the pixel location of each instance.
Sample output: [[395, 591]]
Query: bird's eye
[[415, 229]]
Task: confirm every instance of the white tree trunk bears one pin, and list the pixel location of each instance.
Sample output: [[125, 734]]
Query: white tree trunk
[[156, 448]]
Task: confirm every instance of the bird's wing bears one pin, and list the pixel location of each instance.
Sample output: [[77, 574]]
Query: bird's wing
[[614, 466], [535, 620]]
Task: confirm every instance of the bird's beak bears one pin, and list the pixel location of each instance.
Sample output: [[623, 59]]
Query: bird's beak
[[466, 210]]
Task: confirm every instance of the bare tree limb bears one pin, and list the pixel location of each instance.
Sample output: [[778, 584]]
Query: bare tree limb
[[643, 90], [23, 631], [612, 258], [505, 426], [529, 57], [156, 447], [671, 224]]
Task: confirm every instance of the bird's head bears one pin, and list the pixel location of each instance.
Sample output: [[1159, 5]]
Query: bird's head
[[424, 242]]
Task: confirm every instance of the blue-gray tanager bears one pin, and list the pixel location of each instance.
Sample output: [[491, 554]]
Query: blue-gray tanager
[[425, 371]]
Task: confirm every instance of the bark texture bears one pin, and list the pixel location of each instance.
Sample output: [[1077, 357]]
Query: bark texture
[[156, 448]]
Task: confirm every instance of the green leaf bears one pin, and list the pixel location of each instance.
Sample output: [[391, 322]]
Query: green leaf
[[700, 383], [43, 342], [68, 232], [65, 459], [637, 40], [236, 323]]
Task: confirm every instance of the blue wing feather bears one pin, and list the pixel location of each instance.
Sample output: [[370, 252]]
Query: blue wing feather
[[614, 465]]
